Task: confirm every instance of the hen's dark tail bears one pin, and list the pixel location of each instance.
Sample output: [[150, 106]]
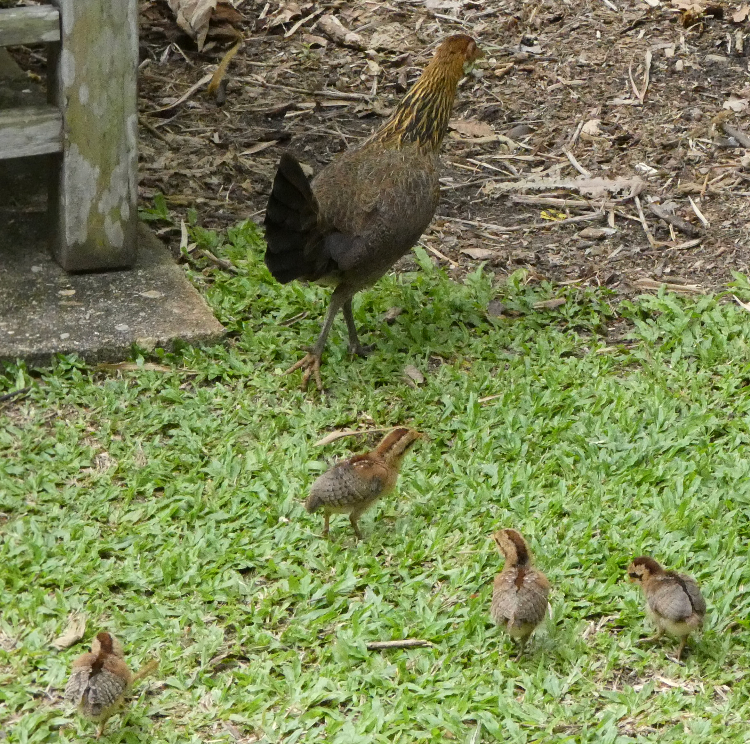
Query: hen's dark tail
[[292, 232]]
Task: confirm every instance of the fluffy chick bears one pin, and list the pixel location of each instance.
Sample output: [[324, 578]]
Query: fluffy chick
[[101, 678], [354, 485], [520, 593], [673, 600]]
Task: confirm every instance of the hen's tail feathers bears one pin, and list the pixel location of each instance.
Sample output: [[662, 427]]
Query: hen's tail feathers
[[291, 224]]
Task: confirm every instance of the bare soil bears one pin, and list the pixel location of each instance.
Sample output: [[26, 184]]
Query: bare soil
[[556, 79]]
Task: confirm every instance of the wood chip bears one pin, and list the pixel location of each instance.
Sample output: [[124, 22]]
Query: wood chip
[[672, 219], [73, 632]]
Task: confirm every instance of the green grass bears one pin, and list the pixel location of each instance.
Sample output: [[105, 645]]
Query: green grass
[[167, 506]]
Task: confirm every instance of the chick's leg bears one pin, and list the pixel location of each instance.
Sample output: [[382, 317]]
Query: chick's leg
[[683, 641], [354, 518], [310, 363], [521, 647]]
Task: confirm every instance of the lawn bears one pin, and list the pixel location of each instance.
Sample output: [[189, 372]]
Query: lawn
[[166, 504]]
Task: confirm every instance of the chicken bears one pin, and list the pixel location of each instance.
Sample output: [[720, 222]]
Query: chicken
[[520, 592], [368, 207], [100, 679], [673, 600], [354, 485]]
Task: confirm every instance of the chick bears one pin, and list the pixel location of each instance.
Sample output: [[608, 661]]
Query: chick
[[673, 600], [101, 678], [520, 592], [354, 485]]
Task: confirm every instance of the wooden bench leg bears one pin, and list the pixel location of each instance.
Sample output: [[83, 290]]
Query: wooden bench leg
[[94, 195]]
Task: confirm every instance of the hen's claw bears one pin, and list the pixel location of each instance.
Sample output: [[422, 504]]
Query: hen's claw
[[310, 363]]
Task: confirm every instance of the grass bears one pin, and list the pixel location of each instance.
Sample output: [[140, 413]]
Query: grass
[[167, 506]]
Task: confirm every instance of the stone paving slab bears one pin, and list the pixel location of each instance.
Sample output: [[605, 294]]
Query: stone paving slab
[[99, 316]]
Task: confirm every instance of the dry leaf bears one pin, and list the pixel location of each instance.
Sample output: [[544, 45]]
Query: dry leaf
[[596, 233], [549, 304], [480, 254], [193, 17], [471, 127], [736, 104], [412, 373], [591, 127], [740, 15], [73, 632], [743, 305], [391, 314]]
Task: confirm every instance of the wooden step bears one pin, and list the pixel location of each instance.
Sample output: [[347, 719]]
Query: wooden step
[[33, 25], [31, 130]]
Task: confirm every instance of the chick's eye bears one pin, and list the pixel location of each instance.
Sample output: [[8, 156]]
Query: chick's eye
[[633, 575]]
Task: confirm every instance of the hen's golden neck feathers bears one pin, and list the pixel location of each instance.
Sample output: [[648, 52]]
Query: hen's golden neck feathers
[[422, 115], [396, 444]]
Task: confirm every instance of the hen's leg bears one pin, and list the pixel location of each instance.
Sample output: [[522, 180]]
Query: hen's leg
[[354, 346], [310, 363]]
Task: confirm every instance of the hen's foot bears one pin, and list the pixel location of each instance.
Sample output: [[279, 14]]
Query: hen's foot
[[310, 364], [360, 350]]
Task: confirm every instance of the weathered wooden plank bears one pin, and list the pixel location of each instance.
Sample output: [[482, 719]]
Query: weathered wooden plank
[[31, 130], [95, 87], [35, 25]]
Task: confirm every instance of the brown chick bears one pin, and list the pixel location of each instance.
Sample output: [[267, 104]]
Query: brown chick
[[369, 206], [100, 679], [520, 592], [354, 485], [673, 600]]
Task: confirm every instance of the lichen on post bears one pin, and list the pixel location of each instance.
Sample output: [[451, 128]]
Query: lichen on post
[[94, 82]]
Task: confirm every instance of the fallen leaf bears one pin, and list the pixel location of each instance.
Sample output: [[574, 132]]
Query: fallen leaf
[[471, 127], [736, 104], [481, 254], [496, 309], [73, 632], [549, 304], [412, 373], [741, 14], [193, 17], [591, 127], [596, 233], [391, 314]]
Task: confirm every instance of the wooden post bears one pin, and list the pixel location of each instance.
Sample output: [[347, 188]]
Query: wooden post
[[94, 195]]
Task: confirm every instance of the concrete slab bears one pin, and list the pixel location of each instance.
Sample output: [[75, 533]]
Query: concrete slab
[[45, 311]]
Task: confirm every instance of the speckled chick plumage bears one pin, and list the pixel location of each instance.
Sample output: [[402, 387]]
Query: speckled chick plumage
[[520, 592], [673, 600], [99, 679], [354, 485]]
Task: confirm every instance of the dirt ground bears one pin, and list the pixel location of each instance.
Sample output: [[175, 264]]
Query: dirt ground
[[607, 88]]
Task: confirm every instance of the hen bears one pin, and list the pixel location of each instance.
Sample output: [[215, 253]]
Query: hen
[[369, 206]]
